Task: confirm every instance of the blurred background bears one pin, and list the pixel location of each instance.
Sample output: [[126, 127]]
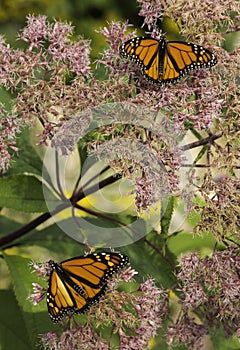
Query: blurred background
[[85, 15]]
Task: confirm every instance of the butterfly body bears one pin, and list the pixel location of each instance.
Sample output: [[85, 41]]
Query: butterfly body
[[165, 62], [75, 284]]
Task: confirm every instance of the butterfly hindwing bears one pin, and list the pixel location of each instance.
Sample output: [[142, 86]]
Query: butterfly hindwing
[[77, 283]]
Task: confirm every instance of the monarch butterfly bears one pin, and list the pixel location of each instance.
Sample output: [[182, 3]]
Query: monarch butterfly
[[75, 284], [163, 62]]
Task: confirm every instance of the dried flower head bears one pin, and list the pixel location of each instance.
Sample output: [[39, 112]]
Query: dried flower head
[[220, 213], [210, 287], [187, 332]]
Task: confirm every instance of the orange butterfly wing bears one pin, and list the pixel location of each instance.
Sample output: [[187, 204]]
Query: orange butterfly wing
[[163, 61], [141, 50], [62, 298], [77, 283], [183, 57]]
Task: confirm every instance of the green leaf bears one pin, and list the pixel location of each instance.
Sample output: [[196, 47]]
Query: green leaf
[[82, 148], [166, 216], [195, 133], [128, 287], [13, 332], [193, 218], [27, 160], [34, 319], [114, 341], [8, 226], [56, 244], [220, 341], [22, 192], [101, 232], [151, 263], [185, 241], [5, 98], [111, 338], [231, 40], [201, 153]]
